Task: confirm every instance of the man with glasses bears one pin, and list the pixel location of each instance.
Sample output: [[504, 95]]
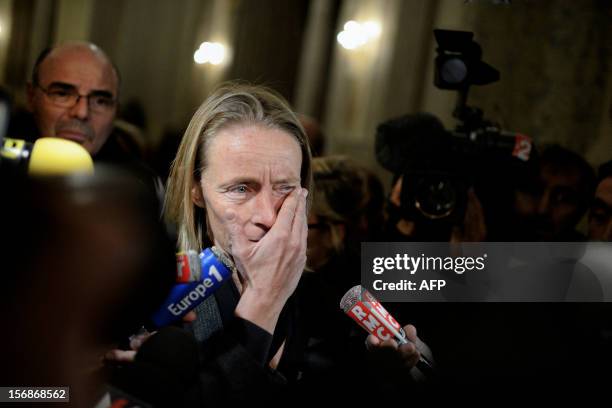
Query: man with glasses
[[73, 94]]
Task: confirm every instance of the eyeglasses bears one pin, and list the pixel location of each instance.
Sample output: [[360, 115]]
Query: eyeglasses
[[67, 97]]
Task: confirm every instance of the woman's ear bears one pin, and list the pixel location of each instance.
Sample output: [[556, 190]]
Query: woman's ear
[[197, 197]]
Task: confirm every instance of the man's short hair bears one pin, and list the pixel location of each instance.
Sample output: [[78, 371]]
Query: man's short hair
[[45, 53], [41, 57], [565, 160]]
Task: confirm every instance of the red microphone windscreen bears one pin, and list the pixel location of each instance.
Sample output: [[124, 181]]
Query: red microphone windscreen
[[362, 307]]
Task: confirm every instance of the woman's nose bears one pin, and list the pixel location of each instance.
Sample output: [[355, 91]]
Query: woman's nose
[[266, 209]]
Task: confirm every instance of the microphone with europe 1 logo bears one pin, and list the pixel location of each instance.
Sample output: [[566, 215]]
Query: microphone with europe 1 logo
[[362, 307], [198, 277]]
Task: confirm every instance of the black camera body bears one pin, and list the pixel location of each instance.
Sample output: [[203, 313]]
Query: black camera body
[[438, 167]]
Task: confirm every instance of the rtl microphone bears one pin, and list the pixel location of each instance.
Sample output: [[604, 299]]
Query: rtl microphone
[[46, 156], [362, 307], [199, 276]]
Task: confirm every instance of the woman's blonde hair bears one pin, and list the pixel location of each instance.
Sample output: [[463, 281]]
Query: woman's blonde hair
[[231, 104]]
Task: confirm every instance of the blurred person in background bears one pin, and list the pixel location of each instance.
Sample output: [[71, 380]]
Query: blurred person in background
[[86, 263], [550, 207], [600, 253], [347, 210], [490, 195], [600, 213], [73, 94]]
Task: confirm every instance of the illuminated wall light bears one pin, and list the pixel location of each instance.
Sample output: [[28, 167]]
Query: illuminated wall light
[[372, 29], [352, 26], [357, 34], [217, 53], [199, 56], [209, 52]]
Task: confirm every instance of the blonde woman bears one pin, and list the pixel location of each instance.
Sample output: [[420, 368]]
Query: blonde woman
[[240, 181]]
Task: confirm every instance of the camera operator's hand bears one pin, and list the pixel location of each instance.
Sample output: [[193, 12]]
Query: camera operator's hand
[[271, 267]]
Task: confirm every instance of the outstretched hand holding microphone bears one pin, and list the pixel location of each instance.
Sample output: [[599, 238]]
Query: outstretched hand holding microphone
[[269, 271], [387, 337]]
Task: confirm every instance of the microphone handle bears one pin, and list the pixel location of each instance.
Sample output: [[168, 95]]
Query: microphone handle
[[423, 364]]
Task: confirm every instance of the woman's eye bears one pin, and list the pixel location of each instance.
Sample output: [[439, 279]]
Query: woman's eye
[[240, 189], [286, 189]]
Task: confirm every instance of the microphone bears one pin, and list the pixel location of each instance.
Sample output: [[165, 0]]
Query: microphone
[[188, 267], [46, 156], [362, 307], [198, 277]]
